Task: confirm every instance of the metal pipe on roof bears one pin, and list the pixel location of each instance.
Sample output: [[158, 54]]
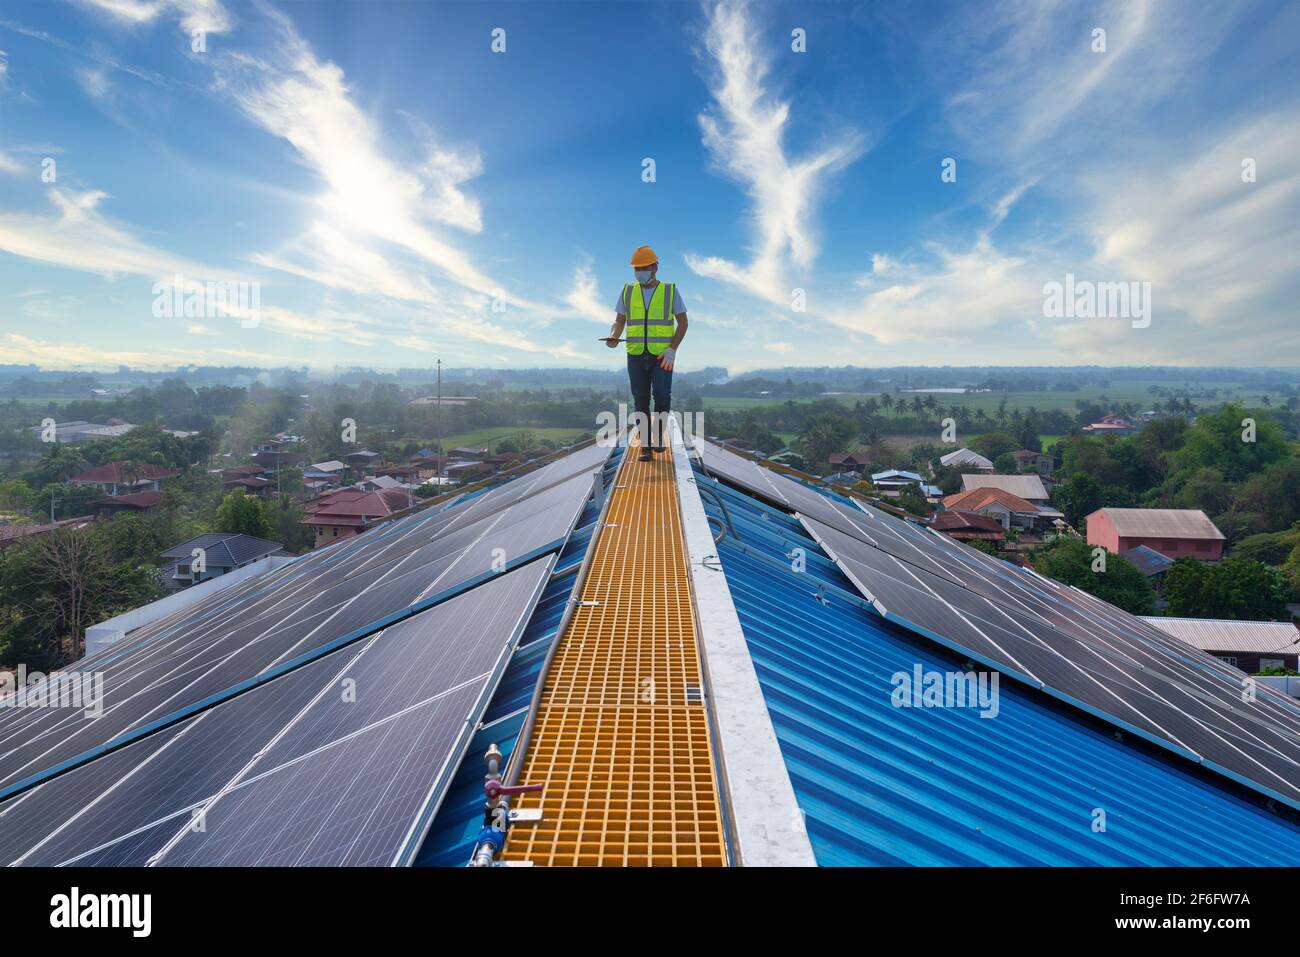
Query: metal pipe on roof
[[725, 514]]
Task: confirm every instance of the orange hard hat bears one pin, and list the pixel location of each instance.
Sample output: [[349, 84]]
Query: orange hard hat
[[644, 256]]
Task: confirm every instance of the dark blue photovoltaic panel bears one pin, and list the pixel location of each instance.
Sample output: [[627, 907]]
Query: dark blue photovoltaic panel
[[1181, 709], [331, 763], [324, 596]]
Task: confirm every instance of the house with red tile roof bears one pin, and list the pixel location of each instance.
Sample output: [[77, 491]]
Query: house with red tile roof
[[1027, 460], [1111, 425], [1009, 511], [855, 461], [119, 478], [349, 511], [252, 484], [967, 526], [16, 533], [130, 502]]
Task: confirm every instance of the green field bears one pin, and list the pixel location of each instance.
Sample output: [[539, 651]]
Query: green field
[[1120, 392], [60, 398], [487, 438]]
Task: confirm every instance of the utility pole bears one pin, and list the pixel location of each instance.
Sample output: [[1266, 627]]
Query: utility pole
[[438, 425]]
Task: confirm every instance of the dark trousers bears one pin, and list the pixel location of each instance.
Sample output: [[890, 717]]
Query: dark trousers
[[646, 376]]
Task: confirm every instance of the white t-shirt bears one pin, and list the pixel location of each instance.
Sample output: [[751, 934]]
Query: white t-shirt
[[621, 307]]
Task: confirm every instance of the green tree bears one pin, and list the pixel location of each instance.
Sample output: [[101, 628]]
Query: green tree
[[1027, 433], [289, 530], [244, 513], [1216, 440], [1005, 464], [992, 444], [71, 501], [1241, 589], [1271, 548], [1203, 488], [1078, 497], [823, 434], [1070, 560], [59, 463], [53, 586], [1271, 498], [16, 495]]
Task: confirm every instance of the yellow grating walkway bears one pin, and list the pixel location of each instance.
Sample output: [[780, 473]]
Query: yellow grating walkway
[[621, 739]]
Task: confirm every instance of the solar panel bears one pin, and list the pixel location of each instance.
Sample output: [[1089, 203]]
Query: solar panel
[[332, 763], [739, 471], [1063, 640], [1197, 713], [325, 597], [770, 485]]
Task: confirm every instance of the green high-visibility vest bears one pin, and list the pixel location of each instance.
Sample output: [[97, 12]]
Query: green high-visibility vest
[[649, 330]]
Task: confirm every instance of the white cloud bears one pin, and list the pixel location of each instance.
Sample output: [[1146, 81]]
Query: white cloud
[[368, 193], [15, 348], [207, 15], [1222, 255], [325, 254], [94, 81], [958, 292], [10, 165], [1023, 74], [584, 298], [79, 236], [744, 132], [1169, 207]]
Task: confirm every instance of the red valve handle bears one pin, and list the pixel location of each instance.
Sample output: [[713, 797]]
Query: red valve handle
[[495, 789]]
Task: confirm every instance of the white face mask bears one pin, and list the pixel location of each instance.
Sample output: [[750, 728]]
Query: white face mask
[[643, 276]]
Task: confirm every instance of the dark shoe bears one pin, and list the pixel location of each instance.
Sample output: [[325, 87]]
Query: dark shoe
[[657, 448], [645, 456]]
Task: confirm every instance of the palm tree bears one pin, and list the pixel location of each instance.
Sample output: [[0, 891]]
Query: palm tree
[[877, 448]]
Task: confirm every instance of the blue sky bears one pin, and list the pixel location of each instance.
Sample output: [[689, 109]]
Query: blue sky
[[402, 193]]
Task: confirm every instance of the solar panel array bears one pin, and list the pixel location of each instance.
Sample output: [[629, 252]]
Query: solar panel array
[[177, 701], [1059, 639], [331, 763]]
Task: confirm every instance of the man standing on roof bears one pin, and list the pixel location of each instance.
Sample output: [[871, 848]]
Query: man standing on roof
[[648, 307]]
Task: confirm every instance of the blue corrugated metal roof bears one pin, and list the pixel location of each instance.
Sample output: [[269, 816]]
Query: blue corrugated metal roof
[[886, 785], [460, 818], [1148, 560]]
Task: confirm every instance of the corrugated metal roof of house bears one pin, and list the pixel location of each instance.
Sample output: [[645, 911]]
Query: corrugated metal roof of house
[[1162, 522], [1148, 560], [965, 457], [1025, 486], [886, 785], [1218, 634]]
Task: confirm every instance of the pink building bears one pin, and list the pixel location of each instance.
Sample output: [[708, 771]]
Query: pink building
[[1173, 532]]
